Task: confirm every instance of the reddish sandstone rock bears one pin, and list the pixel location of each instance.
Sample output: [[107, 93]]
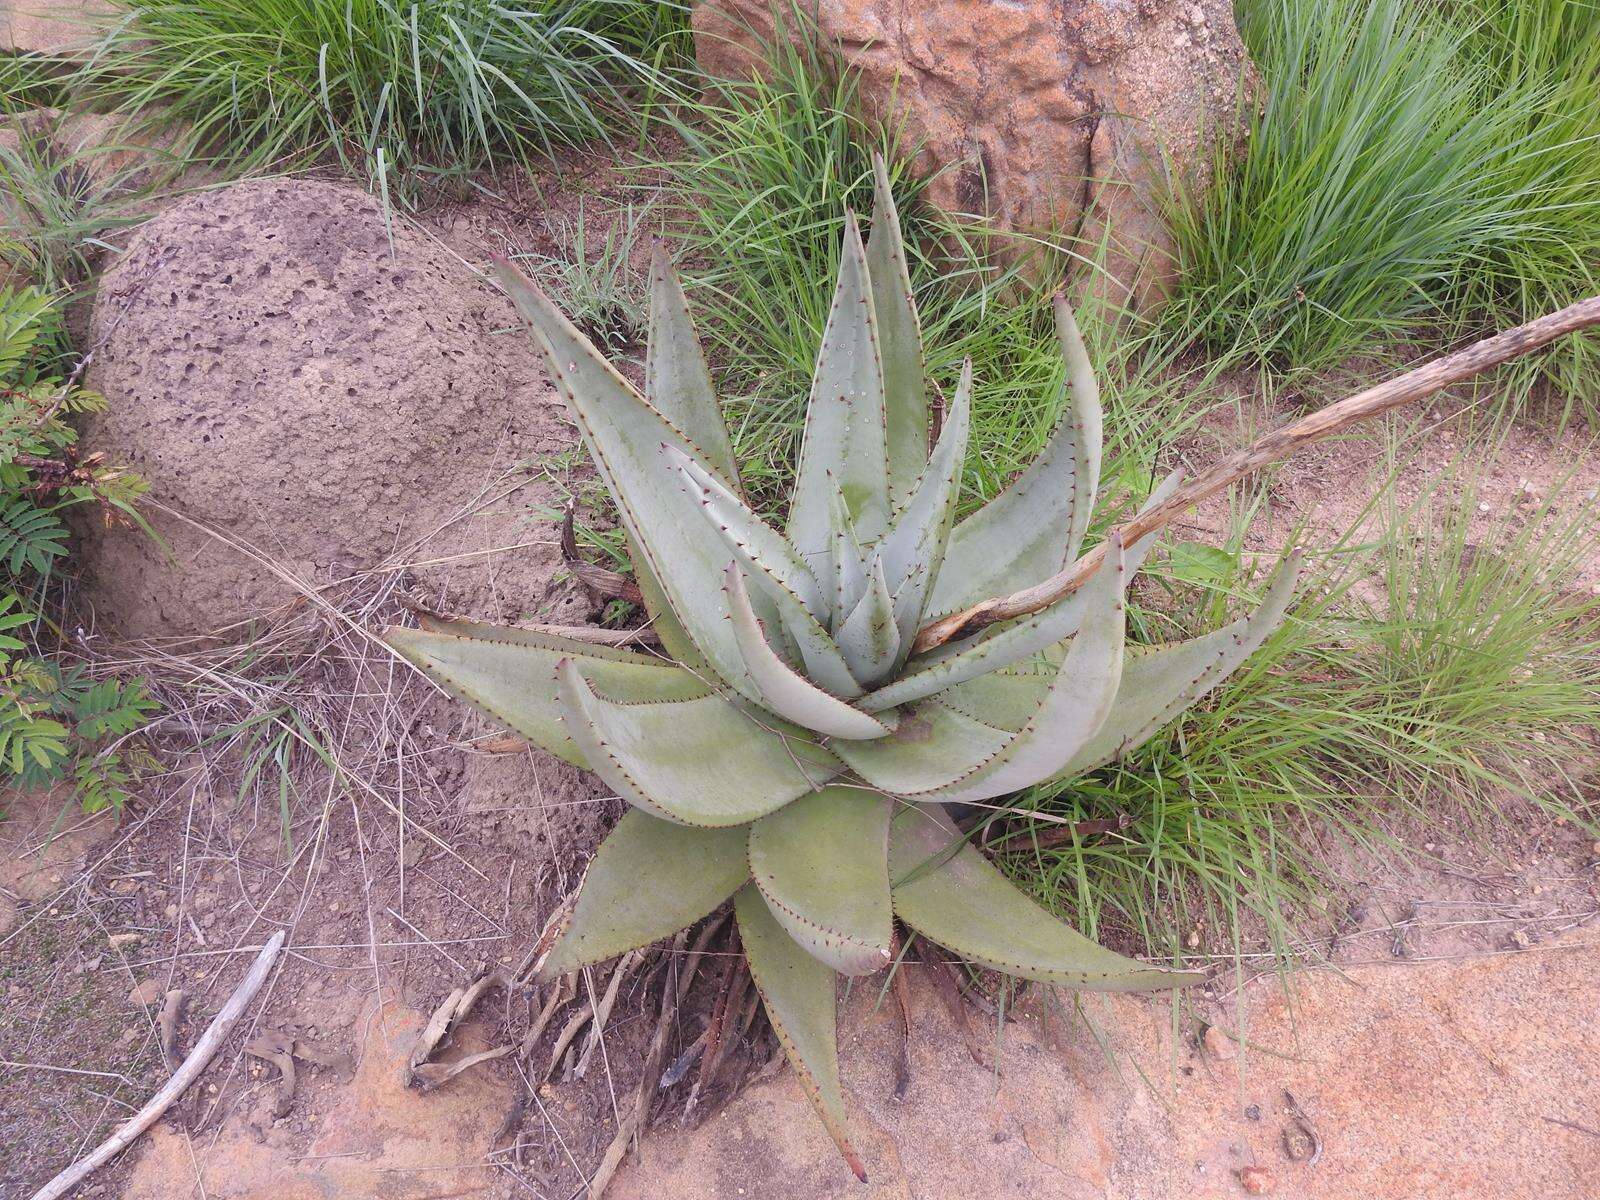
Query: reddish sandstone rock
[[1048, 115]]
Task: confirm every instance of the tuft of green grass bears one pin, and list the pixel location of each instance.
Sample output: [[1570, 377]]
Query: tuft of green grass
[[1548, 50], [395, 91], [1431, 664], [1412, 166], [62, 195], [599, 275]]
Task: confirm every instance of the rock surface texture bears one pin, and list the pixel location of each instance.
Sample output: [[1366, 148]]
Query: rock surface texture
[[1471, 1077], [1048, 115], [292, 372]]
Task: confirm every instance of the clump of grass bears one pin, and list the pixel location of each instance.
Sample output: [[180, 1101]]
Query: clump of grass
[[1411, 165], [1549, 50], [1425, 667], [755, 203], [388, 87], [599, 275], [61, 198]]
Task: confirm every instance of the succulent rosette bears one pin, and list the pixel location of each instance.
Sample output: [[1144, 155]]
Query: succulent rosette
[[799, 755]]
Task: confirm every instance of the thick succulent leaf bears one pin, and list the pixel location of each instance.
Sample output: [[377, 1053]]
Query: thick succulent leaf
[[676, 379], [790, 631], [933, 744], [900, 337], [792, 696], [822, 864], [948, 892], [510, 674], [703, 762], [1003, 645], [1036, 526], [869, 638], [625, 435], [798, 992], [648, 880], [849, 561], [913, 549], [675, 639], [844, 434], [1068, 713], [1077, 702], [1158, 684], [752, 540], [1008, 698]]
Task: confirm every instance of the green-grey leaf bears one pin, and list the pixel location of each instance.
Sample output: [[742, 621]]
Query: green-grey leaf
[[1008, 698], [676, 379], [648, 880], [844, 434], [790, 695], [822, 864], [900, 337], [1075, 705], [913, 549], [675, 639], [849, 561], [510, 674], [869, 638], [1003, 645], [948, 892], [932, 745], [752, 540], [1036, 526], [1158, 684], [702, 762], [798, 992], [625, 435]]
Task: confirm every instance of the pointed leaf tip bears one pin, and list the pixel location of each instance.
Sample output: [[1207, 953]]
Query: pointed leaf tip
[[798, 993], [946, 890]]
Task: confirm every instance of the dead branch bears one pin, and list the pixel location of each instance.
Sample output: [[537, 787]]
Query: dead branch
[[1031, 839], [1414, 385], [204, 1050], [601, 583]]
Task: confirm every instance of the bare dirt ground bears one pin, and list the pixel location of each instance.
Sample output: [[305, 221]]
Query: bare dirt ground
[[1440, 1042]]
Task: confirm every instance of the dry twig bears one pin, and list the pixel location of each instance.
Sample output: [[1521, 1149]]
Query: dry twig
[[1391, 394], [204, 1050]]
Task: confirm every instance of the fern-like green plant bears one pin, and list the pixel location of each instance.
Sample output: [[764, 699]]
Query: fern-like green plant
[[56, 723], [799, 757]]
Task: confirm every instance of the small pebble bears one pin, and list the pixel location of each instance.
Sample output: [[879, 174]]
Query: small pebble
[[146, 993], [1256, 1181], [1221, 1046]]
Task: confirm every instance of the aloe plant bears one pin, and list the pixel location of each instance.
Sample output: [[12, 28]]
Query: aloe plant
[[798, 756]]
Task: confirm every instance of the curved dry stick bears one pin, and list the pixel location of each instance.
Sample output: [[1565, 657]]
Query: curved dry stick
[[1280, 443], [204, 1050]]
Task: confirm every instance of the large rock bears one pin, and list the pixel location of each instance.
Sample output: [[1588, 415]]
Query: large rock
[[1055, 116], [295, 375], [52, 27]]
